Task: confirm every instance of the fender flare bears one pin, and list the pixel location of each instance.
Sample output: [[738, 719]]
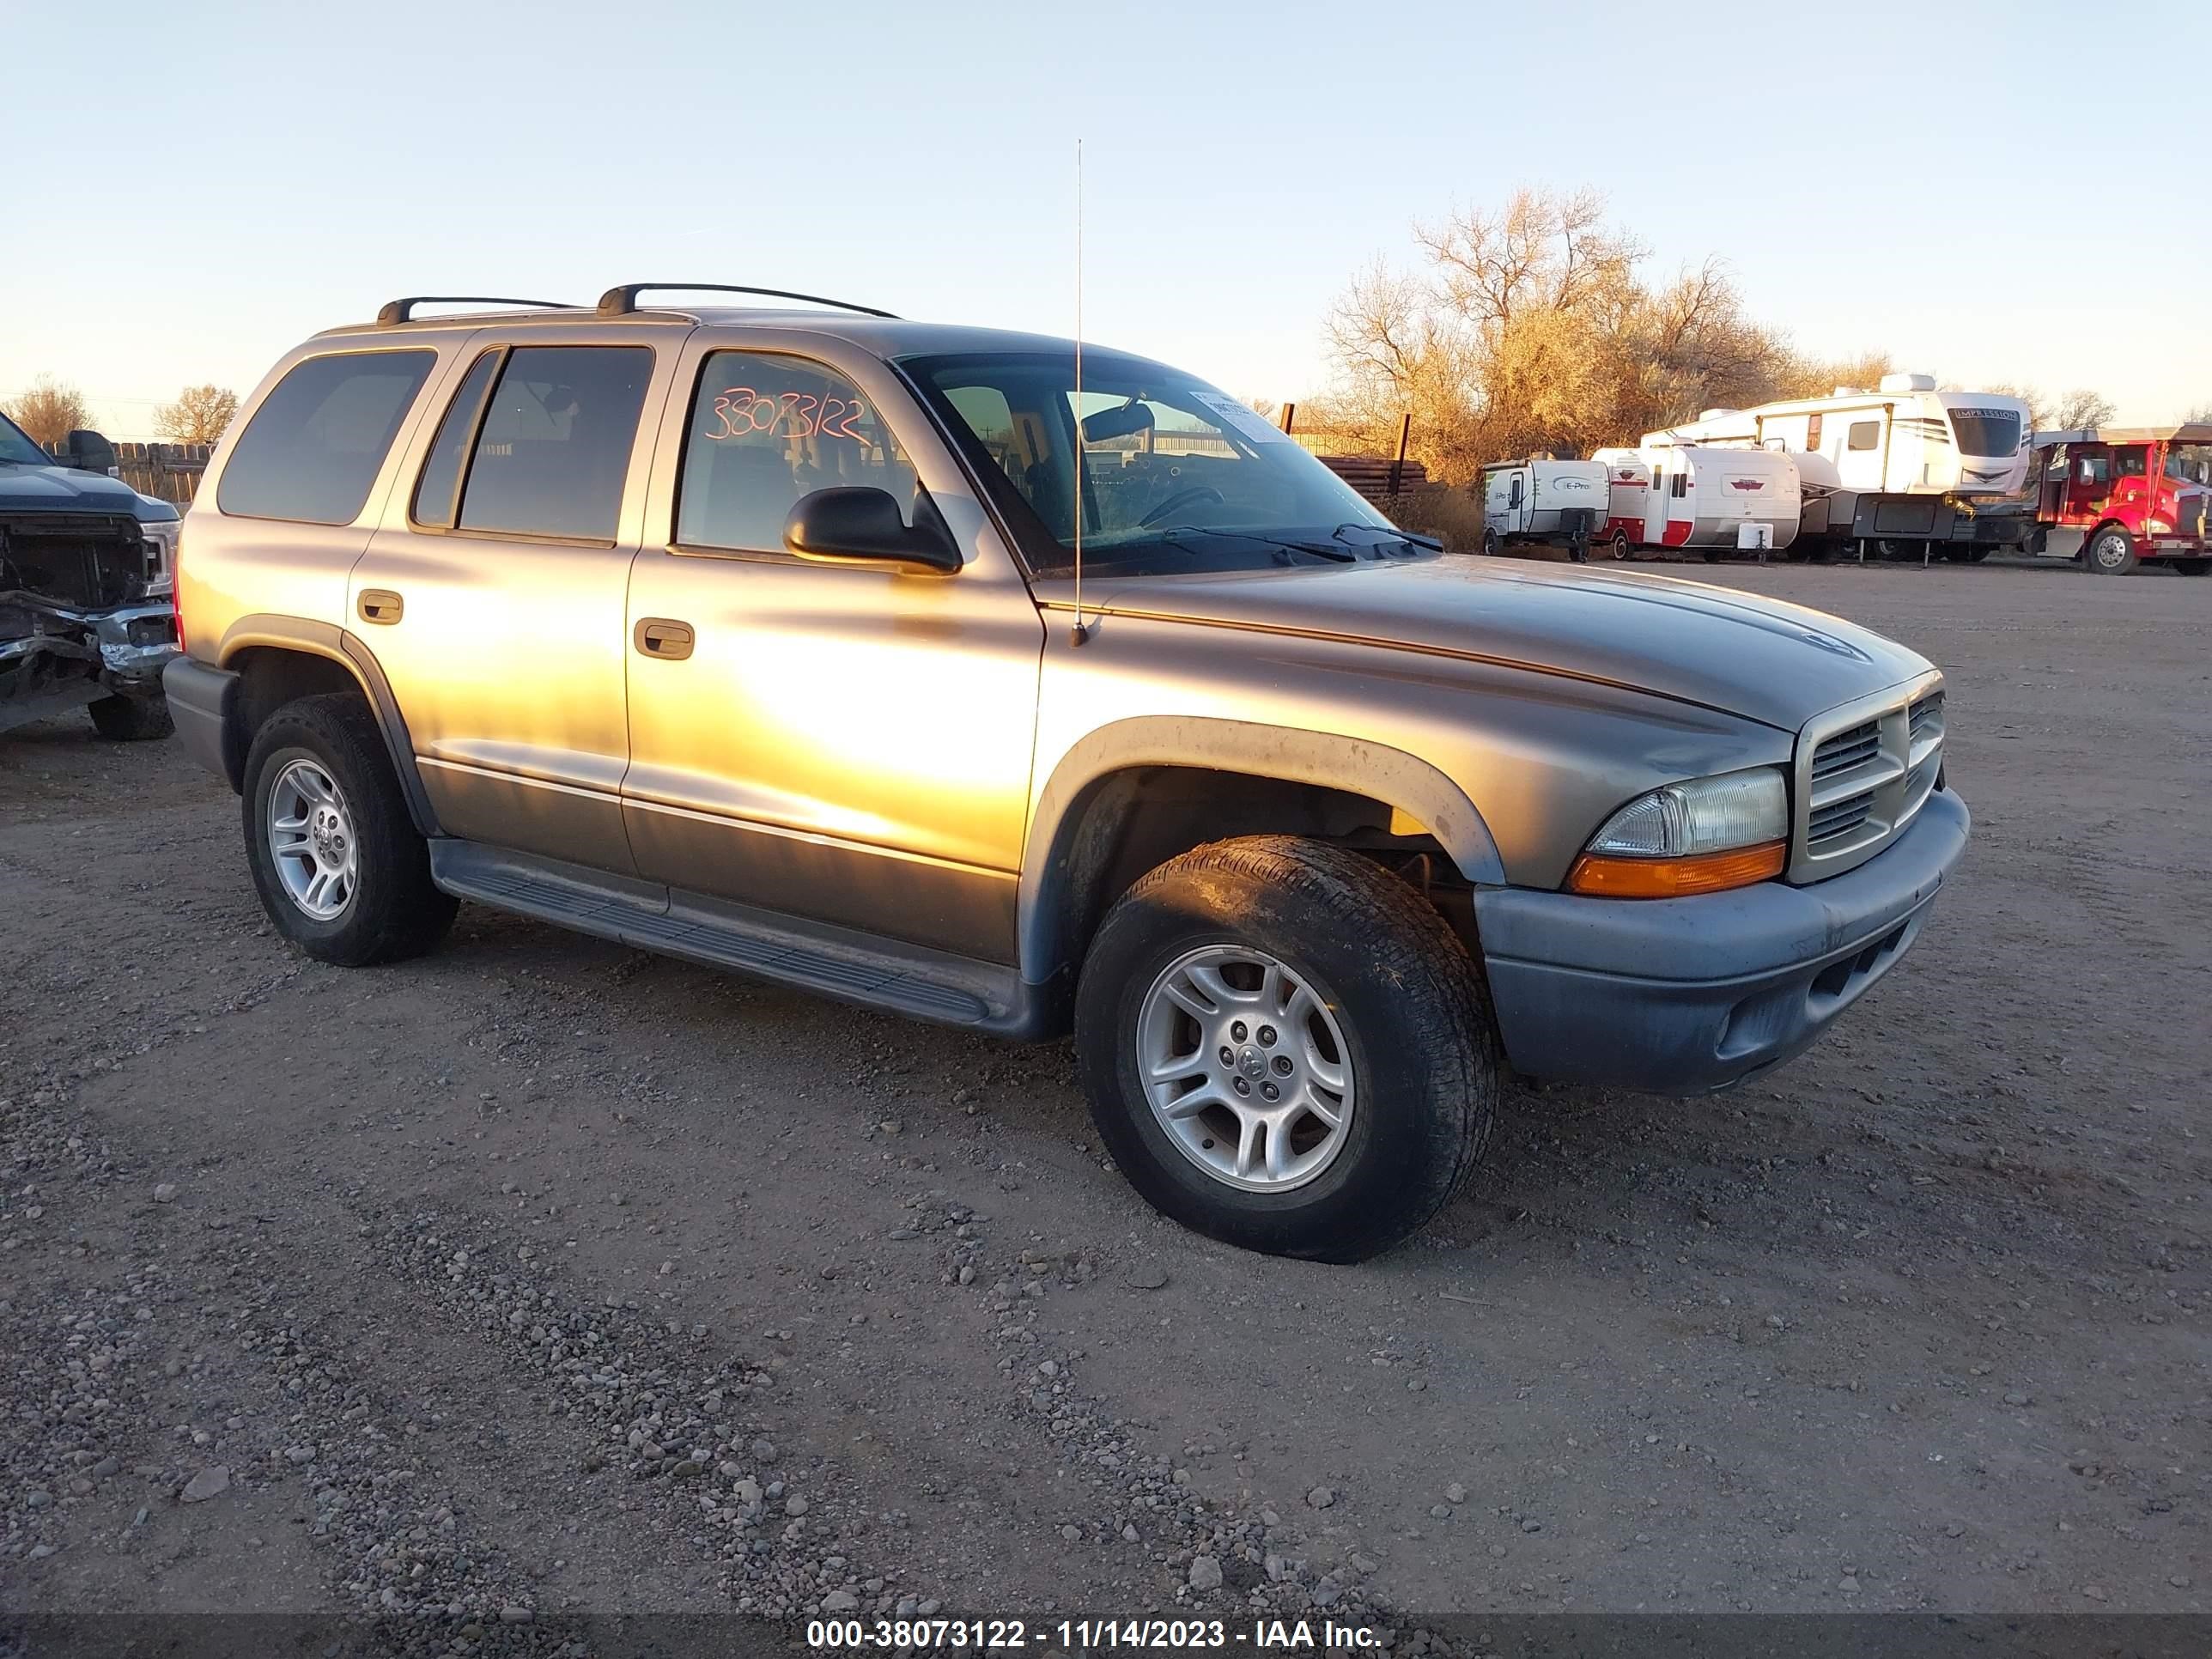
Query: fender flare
[[1327, 759], [334, 644]]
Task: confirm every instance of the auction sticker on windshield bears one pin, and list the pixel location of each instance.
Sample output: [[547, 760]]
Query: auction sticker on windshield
[[1246, 421]]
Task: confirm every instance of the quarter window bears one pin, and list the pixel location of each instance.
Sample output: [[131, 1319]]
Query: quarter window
[[314, 445], [768, 429], [1864, 435], [555, 445]]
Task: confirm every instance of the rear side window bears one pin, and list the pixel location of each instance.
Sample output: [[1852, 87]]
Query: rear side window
[[553, 447], [1864, 435], [312, 449], [440, 483], [768, 429]]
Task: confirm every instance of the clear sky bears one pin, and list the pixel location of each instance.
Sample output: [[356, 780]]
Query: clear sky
[[1993, 192]]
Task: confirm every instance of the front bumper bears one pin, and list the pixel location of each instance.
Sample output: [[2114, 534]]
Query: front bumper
[[1683, 996]]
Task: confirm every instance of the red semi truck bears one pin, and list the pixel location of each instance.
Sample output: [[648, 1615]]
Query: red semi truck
[[2133, 495]]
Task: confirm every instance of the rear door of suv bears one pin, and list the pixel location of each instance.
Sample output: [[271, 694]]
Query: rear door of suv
[[493, 595]]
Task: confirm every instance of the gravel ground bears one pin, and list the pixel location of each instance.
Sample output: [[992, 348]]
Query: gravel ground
[[542, 1278]]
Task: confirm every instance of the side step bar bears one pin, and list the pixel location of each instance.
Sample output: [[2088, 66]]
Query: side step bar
[[836, 961]]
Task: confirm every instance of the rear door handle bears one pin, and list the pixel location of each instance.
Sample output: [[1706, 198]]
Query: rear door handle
[[658, 636], [381, 605]]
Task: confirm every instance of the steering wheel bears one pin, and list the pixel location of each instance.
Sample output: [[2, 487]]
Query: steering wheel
[[1187, 494]]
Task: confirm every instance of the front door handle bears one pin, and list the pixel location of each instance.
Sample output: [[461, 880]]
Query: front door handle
[[658, 636], [381, 605]]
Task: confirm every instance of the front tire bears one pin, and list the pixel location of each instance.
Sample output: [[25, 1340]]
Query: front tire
[[2192, 566], [130, 720], [336, 860], [2110, 552], [1286, 1049]]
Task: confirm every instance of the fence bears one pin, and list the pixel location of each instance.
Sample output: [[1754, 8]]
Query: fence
[[169, 470]]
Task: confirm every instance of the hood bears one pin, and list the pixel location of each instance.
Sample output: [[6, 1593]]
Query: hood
[[1759, 659], [64, 490]]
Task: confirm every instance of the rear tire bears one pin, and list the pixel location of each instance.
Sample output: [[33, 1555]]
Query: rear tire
[[1490, 544], [131, 719], [319, 765], [2110, 552], [1354, 1001], [1620, 543]]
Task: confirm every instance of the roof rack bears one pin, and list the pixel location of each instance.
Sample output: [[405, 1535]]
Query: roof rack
[[401, 311], [622, 301]]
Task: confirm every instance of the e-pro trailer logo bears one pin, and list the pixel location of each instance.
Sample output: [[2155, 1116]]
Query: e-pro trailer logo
[[1747, 483]]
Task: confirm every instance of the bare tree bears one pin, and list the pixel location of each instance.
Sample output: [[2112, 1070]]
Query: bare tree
[[198, 415], [49, 410], [2082, 407]]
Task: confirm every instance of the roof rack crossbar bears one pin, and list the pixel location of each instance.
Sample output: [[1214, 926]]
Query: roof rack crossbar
[[621, 302], [400, 311]]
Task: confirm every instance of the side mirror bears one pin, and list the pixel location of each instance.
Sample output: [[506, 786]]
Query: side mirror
[[88, 452], [848, 521]]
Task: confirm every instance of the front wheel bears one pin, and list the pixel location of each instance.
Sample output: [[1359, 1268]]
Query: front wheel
[[2192, 566], [1285, 1047], [130, 720], [339, 866], [2110, 552]]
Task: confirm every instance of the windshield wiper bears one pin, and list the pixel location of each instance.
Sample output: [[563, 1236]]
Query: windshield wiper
[[1391, 532], [1184, 535]]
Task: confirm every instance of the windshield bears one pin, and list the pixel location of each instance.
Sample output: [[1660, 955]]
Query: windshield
[[1986, 431], [2191, 465], [15, 446], [1173, 475]]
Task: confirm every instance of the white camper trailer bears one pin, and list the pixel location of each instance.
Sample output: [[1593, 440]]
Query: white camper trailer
[[1543, 500], [1705, 498], [1902, 463]]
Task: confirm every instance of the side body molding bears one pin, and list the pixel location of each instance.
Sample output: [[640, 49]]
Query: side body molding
[[334, 644], [1052, 860]]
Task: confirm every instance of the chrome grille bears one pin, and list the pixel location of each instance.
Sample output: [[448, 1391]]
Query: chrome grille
[[1863, 770]]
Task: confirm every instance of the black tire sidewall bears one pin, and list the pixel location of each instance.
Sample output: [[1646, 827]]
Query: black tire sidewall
[[2120, 568], [1350, 1209], [391, 864]]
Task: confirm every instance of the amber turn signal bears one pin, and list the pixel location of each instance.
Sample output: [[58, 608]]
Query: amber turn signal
[[1606, 877]]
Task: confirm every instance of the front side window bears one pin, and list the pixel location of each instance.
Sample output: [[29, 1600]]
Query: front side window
[[313, 447], [554, 448], [2129, 463], [1864, 435], [766, 429], [1164, 472]]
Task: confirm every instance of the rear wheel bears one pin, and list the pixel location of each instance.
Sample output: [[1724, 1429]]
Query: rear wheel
[[131, 719], [1490, 543], [1286, 1049], [1712, 555], [1620, 543], [339, 867], [2110, 552]]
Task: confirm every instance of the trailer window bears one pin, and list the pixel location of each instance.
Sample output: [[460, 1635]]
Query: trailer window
[[1681, 485], [1864, 435], [1986, 431], [1812, 432]]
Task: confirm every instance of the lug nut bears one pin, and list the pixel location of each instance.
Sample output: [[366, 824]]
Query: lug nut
[[1282, 1065], [1270, 1091], [1245, 1088], [1236, 1031], [1266, 1036], [1227, 1055]]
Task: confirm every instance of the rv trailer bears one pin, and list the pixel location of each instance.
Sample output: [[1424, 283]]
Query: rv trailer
[[1542, 499], [1903, 466], [1707, 498]]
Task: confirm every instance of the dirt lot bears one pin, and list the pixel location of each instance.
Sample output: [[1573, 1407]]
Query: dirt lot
[[541, 1276]]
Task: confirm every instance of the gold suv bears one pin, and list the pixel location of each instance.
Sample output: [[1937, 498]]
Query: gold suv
[[936, 670]]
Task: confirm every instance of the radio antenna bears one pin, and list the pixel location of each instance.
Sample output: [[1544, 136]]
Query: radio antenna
[[1079, 633]]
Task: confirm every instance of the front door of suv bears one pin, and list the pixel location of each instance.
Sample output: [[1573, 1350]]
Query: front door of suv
[[493, 596], [840, 741]]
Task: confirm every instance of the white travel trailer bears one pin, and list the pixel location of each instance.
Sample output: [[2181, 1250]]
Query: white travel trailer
[[1710, 499], [1543, 500], [1902, 463]]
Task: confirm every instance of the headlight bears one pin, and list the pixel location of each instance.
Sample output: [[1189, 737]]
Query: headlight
[[1695, 837], [160, 535]]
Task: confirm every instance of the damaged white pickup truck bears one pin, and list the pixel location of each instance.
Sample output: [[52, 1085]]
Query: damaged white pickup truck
[[86, 570]]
